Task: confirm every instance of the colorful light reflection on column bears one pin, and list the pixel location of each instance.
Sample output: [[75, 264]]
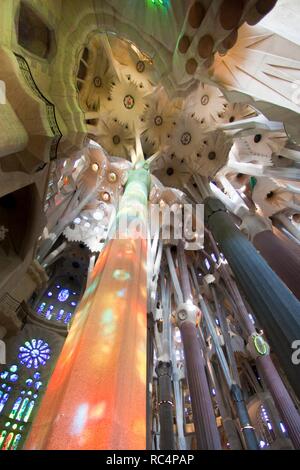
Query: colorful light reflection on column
[[96, 398]]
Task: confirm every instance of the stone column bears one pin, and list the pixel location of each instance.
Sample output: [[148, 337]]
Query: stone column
[[165, 404], [280, 255], [282, 399], [96, 397], [228, 423], [235, 389], [277, 388], [203, 413], [242, 412], [187, 316], [284, 261], [274, 305]]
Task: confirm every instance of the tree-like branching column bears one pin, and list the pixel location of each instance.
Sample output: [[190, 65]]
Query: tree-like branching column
[[96, 398]]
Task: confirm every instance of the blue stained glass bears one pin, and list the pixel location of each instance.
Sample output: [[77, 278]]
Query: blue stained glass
[[60, 314], [8, 389], [49, 294], [63, 295], [15, 407], [22, 409], [29, 410], [23, 391], [58, 287], [4, 386], [16, 442], [13, 368], [13, 377], [48, 314], [34, 353], [41, 307], [68, 317], [36, 375], [4, 375], [3, 401], [29, 392], [29, 382], [37, 385], [73, 303], [34, 396]]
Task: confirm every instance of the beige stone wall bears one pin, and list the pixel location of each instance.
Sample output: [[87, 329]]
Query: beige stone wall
[[13, 136]]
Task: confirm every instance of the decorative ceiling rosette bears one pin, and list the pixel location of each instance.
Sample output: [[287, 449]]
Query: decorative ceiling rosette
[[120, 167], [127, 103], [211, 154], [133, 63], [159, 118], [207, 104], [241, 152], [92, 238], [272, 197], [114, 137], [259, 148], [171, 171], [236, 112], [111, 186], [94, 89], [186, 137], [94, 172]]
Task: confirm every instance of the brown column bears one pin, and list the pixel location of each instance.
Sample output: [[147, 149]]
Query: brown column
[[281, 257], [282, 399], [206, 430], [207, 433]]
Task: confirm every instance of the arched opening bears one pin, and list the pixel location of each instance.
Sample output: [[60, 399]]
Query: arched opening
[[33, 33]]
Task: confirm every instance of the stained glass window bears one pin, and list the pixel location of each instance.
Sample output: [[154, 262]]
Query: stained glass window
[[19, 411], [34, 353], [49, 312], [3, 400], [41, 307], [68, 317], [53, 312], [14, 377], [60, 314], [16, 442], [63, 295]]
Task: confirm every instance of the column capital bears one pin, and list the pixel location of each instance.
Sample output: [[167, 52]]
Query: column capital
[[257, 346], [164, 368], [187, 312], [253, 224], [211, 206]]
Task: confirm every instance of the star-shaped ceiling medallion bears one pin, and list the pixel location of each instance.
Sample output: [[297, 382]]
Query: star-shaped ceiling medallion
[[127, 102], [211, 155], [113, 136], [159, 118], [207, 104]]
